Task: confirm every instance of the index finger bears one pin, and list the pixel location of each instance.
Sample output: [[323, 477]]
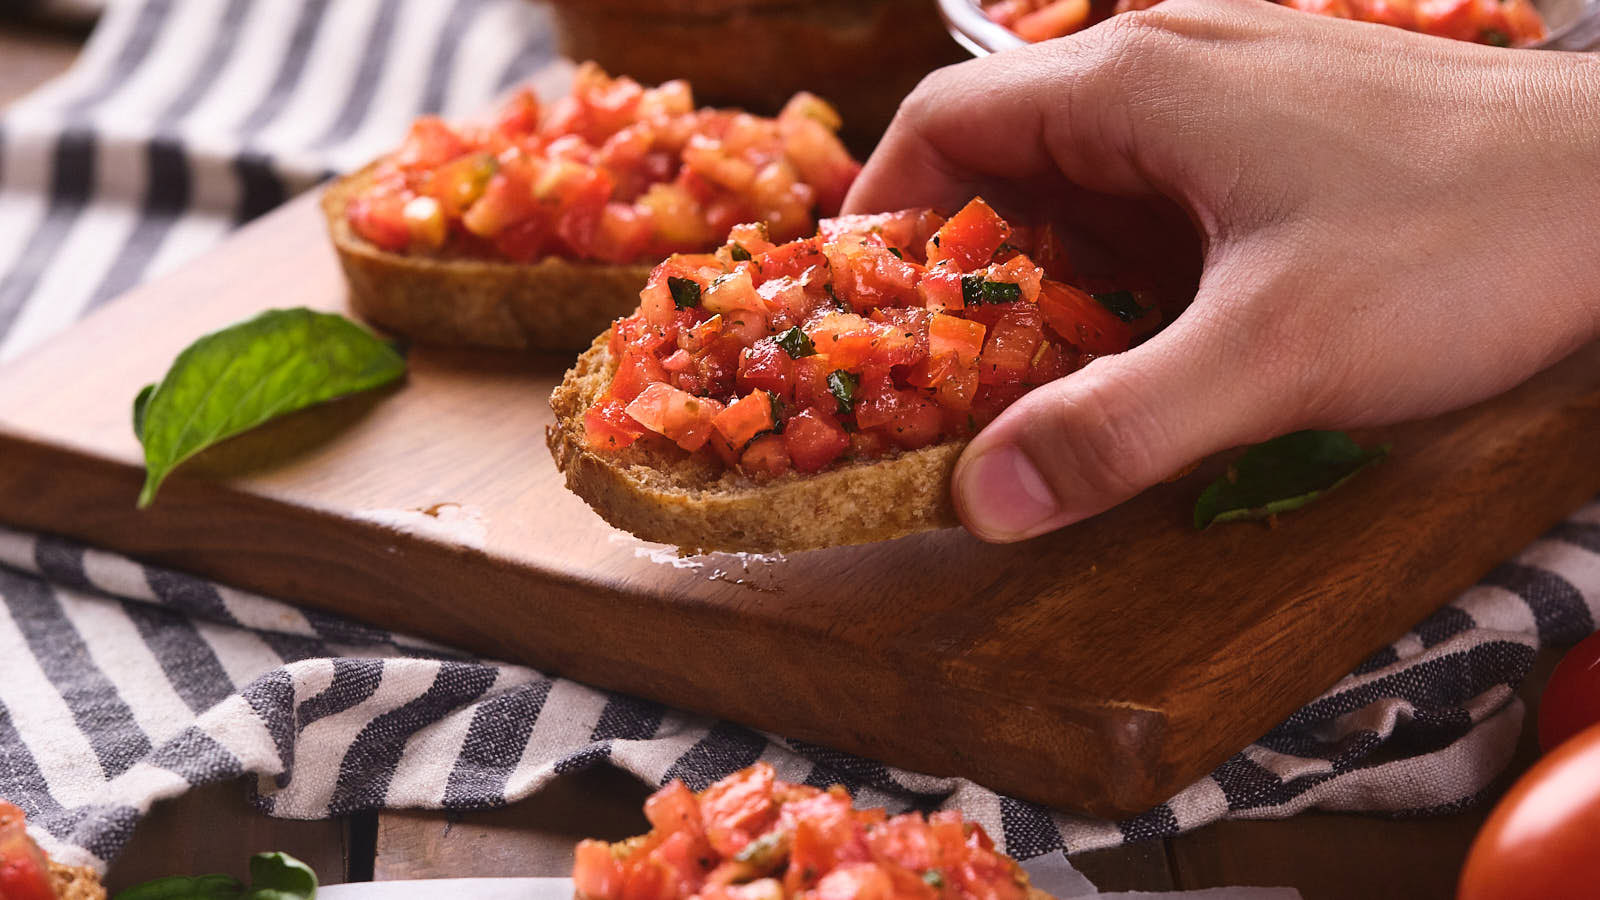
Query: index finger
[[1043, 111]]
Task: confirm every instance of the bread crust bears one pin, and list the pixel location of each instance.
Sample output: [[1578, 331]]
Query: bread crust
[[553, 304], [661, 493]]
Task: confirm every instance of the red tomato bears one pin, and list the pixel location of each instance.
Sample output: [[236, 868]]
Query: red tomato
[[960, 337], [607, 426], [745, 418], [765, 366], [907, 230], [970, 238], [766, 457], [381, 219], [1542, 842], [814, 439], [637, 370], [1571, 700], [1456, 19], [429, 144], [24, 872], [738, 808], [1060, 17], [1009, 351], [674, 808], [677, 415], [1082, 320]]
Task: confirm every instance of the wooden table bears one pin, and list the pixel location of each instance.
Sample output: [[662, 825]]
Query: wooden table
[[215, 830]]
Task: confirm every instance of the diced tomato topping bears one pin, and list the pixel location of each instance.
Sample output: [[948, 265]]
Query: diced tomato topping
[[429, 144], [381, 219], [745, 418], [766, 457], [907, 231], [607, 426], [1038, 20], [953, 335], [814, 440], [614, 172], [1082, 320], [812, 351], [677, 415], [1008, 352], [24, 870], [970, 238], [793, 842], [739, 808]]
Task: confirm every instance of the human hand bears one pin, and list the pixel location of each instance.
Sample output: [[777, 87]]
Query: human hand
[[1392, 226]]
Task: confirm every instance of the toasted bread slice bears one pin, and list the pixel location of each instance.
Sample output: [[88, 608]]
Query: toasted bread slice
[[661, 493], [553, 304], [75, 882]]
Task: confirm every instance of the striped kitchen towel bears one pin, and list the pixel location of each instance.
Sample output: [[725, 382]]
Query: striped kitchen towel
[[124, 684]]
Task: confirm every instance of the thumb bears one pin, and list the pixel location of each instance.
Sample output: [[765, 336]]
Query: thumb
[[1080, 445]]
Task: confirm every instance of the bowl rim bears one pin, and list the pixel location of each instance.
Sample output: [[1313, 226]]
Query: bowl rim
[[975, 31], [982, 36]]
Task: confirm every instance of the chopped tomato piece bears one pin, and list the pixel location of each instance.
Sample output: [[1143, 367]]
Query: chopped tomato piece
[[961, 337], [679, 416], [24, 870], [738, 808], [969, 238], [430, 143], [1056, 18], [1082, 320], [814, 440], [766, 457], [607, 426], [745, 418], [907, 231]]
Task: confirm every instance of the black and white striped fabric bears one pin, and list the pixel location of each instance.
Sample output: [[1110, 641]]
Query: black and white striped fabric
[[123, 684]]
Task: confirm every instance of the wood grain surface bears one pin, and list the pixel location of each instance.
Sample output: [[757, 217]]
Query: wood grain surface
[[1101, 668]]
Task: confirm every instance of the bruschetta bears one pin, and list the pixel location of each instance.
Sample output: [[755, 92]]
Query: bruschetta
[[752, 836], [535, 230], [781, 396]]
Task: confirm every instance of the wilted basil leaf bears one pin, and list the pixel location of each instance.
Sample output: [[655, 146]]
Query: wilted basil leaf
[[1283, 474]]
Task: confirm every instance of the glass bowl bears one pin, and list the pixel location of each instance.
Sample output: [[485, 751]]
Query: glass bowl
[[1573, 24]]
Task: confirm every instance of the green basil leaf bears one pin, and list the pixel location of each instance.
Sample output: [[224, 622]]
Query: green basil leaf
[[1283, 474], [934, 879], [279, 876], [842, 385], [182, 887], [232, 380], [738, 252], [897, 253], [140, 403], [976, 290], [685, 292], [971, 290], [1121, 304], [795, 343], [1001, 292], [1496, 38]]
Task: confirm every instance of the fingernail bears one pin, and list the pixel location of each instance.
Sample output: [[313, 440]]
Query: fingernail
[[1004, 496]]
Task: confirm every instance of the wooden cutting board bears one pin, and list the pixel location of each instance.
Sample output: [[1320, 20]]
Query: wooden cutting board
[[1101, 668]]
